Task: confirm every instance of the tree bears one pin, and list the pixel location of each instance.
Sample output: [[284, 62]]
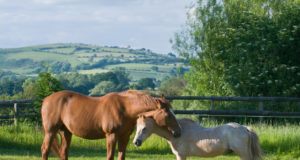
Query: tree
[[119, 78], [102, 88], [154, 68], [180, 71], [76, 82], [170, 54], [45, 84], [29, 88], [173, 86], [244, 48], [11, 86], [145, 83]]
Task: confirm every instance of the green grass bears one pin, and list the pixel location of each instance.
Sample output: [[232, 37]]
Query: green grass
[[279, 142]]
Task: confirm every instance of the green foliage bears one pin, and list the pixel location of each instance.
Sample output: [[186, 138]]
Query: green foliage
[[243, 48], [173, 86], [102, 88], [145, 83], [29, 89], [7, 97], [45, 85], [154, 68], [90, 84], [75, 82], [119, 78]]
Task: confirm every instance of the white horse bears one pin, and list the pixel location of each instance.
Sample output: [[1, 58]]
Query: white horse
[[196, 140]]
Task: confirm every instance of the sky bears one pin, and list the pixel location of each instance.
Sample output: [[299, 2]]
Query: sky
[[146, 24]]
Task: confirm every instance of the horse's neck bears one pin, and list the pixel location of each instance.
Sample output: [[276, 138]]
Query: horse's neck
[[137, 107], [162, 132]]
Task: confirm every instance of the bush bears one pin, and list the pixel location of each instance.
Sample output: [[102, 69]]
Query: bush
[[45, 84]]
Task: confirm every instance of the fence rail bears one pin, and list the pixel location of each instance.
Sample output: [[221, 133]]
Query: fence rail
[[218, 98], [239, 112], [212, 112]]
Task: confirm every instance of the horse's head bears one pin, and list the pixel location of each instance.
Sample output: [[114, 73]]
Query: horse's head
[[165, 117], [144, 130]]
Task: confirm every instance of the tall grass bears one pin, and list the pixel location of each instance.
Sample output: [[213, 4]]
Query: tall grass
[[24, 142]]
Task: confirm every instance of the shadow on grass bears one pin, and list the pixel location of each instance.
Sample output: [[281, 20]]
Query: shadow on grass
[[8, 147]]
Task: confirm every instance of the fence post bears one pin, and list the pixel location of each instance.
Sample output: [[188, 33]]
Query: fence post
[[212, 107], [15, 114], [260, 108]]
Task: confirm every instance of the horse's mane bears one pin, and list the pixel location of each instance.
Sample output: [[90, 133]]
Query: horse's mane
[[187, 120], [187, 123], [141, 97]]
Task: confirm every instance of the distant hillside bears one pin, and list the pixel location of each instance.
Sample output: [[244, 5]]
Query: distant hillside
[[89, 59]]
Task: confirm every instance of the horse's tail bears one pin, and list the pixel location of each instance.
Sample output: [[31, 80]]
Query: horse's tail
[[255, 151], [55, 146]]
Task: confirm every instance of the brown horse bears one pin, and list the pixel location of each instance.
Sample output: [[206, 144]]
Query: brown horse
[[112, 116]]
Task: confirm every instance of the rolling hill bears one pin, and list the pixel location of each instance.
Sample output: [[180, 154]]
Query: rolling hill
[[89, 59]]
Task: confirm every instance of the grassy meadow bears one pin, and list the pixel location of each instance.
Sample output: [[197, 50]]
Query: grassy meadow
[[137, 70], [279, 142], [138, 62]]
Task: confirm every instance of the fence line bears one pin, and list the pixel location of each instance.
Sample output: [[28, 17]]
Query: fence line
[[239, 112], [212, 112], [218, 98], [261, 113]]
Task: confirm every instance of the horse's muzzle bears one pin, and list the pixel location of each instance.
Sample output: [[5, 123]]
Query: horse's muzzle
[[137, 143], [176, 134]]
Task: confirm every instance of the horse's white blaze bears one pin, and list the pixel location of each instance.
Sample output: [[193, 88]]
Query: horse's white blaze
[[139, 132]]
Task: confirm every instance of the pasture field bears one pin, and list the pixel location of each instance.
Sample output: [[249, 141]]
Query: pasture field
[[138, 71], [279, 142], [88, 59], [43, 56]]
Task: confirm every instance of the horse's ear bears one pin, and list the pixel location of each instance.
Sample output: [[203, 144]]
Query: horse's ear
[[163, 97], [158, 103]]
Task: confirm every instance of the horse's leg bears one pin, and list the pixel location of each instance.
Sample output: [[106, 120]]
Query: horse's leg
[[66, 137], [46, 144], [111, 141], [242, 153], [180, 157], [122, 144]]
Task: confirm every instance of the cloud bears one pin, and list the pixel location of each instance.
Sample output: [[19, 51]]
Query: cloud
[[138, 23]]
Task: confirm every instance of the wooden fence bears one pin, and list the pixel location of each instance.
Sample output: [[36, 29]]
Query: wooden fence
[[212, 112], [14, 103], [260, 101]]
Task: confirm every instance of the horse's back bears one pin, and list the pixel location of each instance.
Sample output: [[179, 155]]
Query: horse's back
[[235, 135], [84, 116], [197, 140], [55, 102], [71, 110], [235, 128]]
